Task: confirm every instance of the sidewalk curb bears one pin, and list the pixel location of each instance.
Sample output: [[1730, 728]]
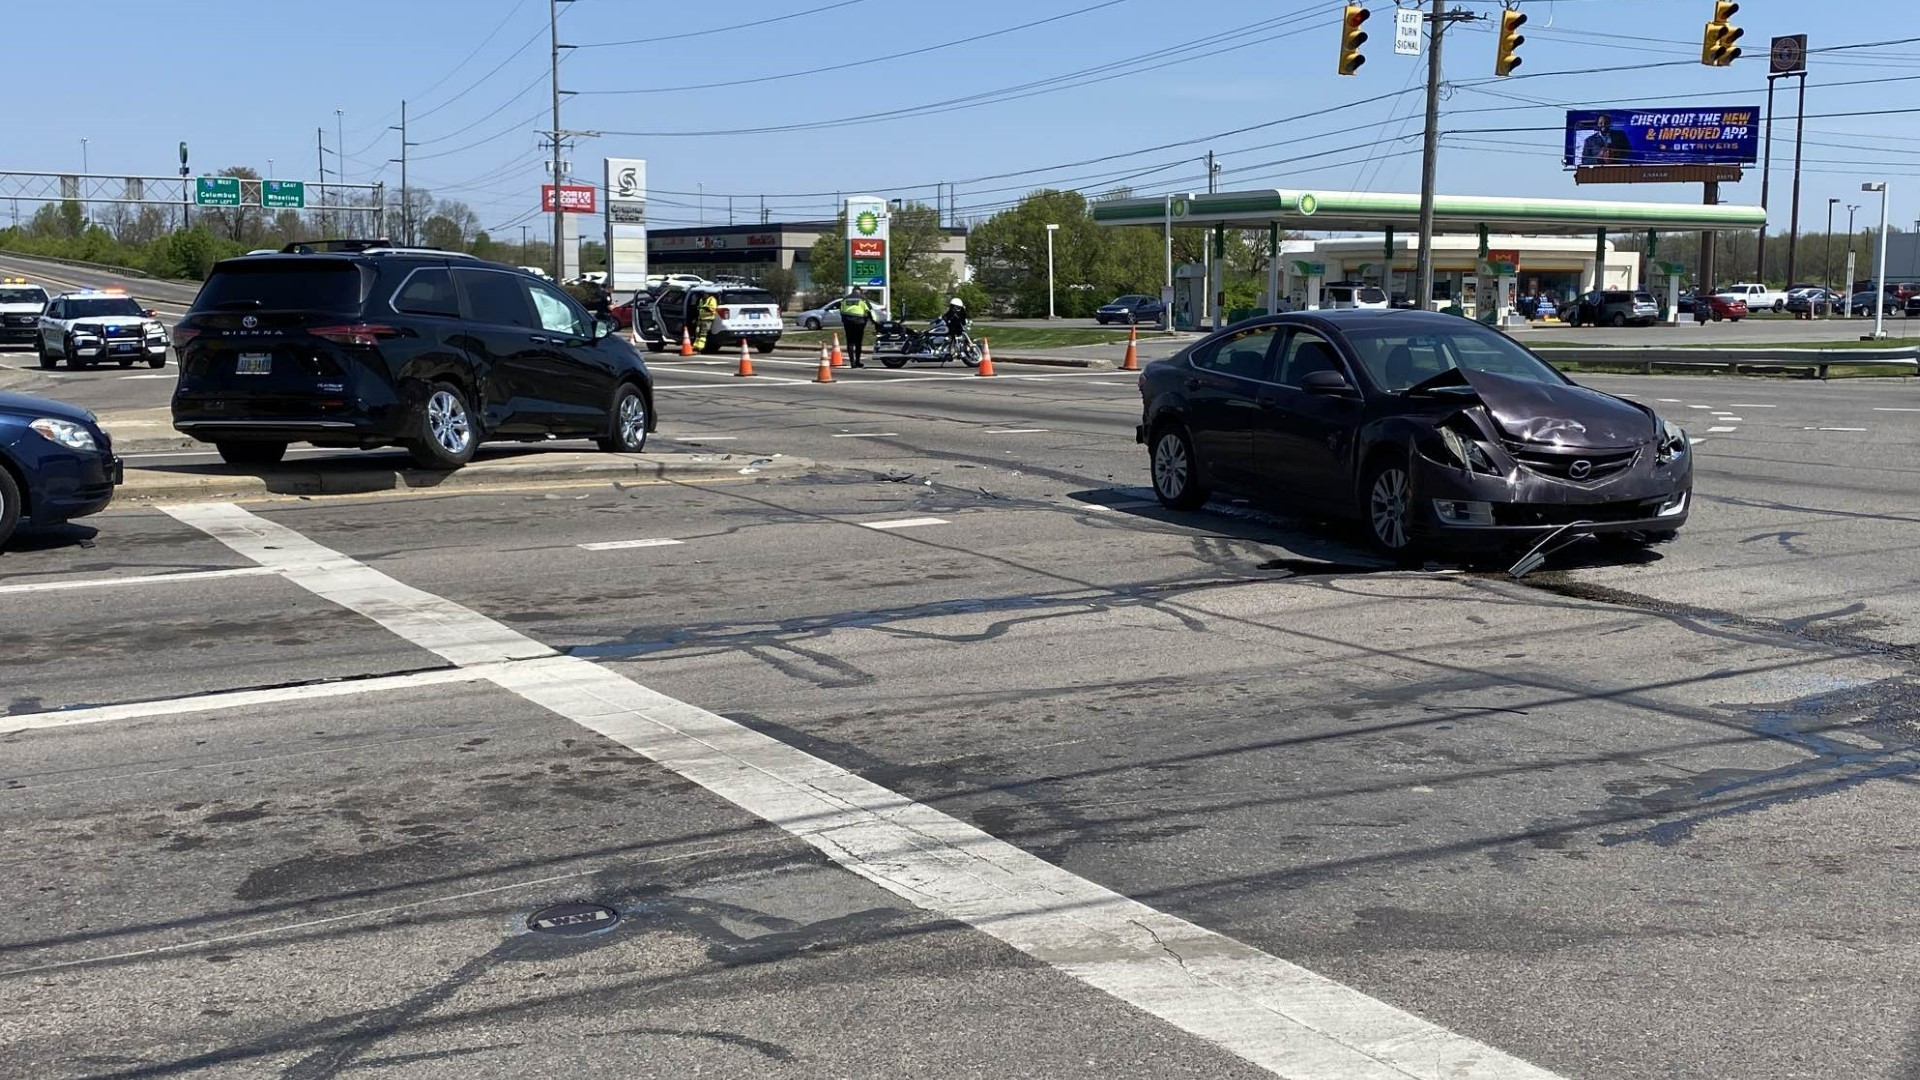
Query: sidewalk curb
[[186, 483]]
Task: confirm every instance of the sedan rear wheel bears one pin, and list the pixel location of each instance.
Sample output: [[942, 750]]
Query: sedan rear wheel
[[813, 324], [1390, 508], [9, 506], [1176, 476]]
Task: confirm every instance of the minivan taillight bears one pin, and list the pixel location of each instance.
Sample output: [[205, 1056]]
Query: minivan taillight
[[355, 333], [184, 334]]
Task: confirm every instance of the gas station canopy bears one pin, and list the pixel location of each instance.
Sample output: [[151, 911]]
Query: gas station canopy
[[1361, 211]]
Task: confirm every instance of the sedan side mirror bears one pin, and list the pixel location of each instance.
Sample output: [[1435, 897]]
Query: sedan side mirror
[[1330, 383]]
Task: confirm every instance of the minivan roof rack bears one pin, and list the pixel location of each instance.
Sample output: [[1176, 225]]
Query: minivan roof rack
[[381, 246]]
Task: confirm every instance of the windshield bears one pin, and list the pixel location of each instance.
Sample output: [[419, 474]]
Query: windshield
[[1398, 359], [23, 296], [1125, 301], [118, 305]]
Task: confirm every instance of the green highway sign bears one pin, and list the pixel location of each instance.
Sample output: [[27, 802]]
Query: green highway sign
[[216, 191], [283, 194]]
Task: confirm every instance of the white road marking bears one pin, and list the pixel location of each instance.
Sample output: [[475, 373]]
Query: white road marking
[[136, 579], [867, 435], [1880, 409], [1721, 412], [1695, 442], [1748, 405], [1706, 407], [709, 438], [1668, 400], [155, 375], [240, 699], [1015, 431], [619, 545], [1833, 429], [1720, 430], [905, 523], [1274, 1014], [1724, 418]]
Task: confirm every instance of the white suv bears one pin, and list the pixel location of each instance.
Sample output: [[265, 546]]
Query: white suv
[[1352, 294], [21, 303], [85, 328]]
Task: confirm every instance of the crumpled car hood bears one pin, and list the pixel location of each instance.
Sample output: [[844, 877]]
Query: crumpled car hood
[[1563, 414]]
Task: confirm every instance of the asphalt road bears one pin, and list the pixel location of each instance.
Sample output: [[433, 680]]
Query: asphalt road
[[960, 757]]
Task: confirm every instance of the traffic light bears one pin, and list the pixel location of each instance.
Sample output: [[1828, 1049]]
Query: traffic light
[[1719, 47], [1351, 38], [1508, 57]]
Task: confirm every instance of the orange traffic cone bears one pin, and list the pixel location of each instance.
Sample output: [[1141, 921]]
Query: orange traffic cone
[[838, 360], [986, 360], [686, 343], [746, 363], [825, 373], [1132, 362]]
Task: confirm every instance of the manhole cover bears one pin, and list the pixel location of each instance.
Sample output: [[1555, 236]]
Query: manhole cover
[[573, 919]]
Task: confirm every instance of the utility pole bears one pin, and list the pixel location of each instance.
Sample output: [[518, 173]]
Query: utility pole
[[1437, 21], [523, 244], [406, 199], [1766, 185], [320, 150], [553, 33]]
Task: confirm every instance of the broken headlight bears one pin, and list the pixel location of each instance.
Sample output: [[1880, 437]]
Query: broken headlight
[[1672, 444], [1468, 453]]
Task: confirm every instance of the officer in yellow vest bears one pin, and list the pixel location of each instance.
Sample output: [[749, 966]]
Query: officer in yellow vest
[[708, 311], [855, 313]]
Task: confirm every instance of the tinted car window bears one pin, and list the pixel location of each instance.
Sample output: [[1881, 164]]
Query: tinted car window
[[555, 313], [1372, 296], [22, 296], [496, 298], [747, 296], [1306, 353], [1397, 360], [1244, 354], [428, 292], [285, 285]]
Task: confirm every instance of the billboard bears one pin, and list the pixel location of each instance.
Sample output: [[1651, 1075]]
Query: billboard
[[1722, 135], [574, 198]]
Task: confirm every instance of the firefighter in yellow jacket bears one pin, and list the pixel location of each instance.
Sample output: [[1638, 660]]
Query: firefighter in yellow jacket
[[708, 311]]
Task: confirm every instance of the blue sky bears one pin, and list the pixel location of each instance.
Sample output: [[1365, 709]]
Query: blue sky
[[1099, 79]]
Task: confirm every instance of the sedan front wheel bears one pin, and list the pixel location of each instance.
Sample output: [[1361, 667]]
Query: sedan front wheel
[[1389, 508]]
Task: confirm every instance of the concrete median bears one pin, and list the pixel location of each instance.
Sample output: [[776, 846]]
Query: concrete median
[[352, 474]]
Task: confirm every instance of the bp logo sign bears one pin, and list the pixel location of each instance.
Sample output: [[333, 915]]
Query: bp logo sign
[[1179, 208], [868, 223], [1308, 204]]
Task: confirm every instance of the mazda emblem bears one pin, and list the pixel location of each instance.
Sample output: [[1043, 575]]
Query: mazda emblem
[[1580, 470], [249, 321]]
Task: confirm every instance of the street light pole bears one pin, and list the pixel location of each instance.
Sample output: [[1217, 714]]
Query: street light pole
[[1851, 207], [1828, 272], [1051, 229], [80, 185], [1880, 267]]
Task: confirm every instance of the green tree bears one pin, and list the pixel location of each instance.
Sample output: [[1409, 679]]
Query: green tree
[[782, 283], [920, 274]]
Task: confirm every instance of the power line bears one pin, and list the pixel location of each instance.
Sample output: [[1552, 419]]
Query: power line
[[729, 28], [845, 64]]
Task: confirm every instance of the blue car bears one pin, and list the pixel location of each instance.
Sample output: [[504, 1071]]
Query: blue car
[[56, 464]]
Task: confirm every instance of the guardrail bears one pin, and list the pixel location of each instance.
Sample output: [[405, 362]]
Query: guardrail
[[117, 271], [1735, 359]]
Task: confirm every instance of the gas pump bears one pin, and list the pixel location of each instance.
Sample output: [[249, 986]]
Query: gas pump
[[1669, 297], [1189, 295]]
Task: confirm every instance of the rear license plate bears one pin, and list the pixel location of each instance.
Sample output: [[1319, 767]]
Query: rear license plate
[[253, 363]]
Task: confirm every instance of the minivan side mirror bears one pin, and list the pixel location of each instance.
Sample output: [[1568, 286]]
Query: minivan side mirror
[[1330, 383], [604, 327]]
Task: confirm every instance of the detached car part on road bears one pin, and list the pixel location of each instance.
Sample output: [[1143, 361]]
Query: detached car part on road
[[56, 463], [1431, 429], [432, 351]]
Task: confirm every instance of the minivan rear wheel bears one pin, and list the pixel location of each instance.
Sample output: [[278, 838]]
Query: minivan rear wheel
[[251, 453], [9, 506], [444, 436], [629, 421]]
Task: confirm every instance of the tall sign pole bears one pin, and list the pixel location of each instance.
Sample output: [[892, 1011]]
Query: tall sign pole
[[559, 213], [1788, 57]]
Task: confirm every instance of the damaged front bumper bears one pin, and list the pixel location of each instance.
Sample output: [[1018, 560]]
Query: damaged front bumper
[[1464, 508]]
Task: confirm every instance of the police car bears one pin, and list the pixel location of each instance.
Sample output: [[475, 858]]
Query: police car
[[21, 303], [95, 325]]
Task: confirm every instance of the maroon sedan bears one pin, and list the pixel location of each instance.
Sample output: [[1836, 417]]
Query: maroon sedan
[[1730, 308]]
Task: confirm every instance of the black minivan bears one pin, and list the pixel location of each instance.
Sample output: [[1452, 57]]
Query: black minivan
[[365, 346]]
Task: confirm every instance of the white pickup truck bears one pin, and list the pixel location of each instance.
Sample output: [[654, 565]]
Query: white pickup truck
[[1758, 297]]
